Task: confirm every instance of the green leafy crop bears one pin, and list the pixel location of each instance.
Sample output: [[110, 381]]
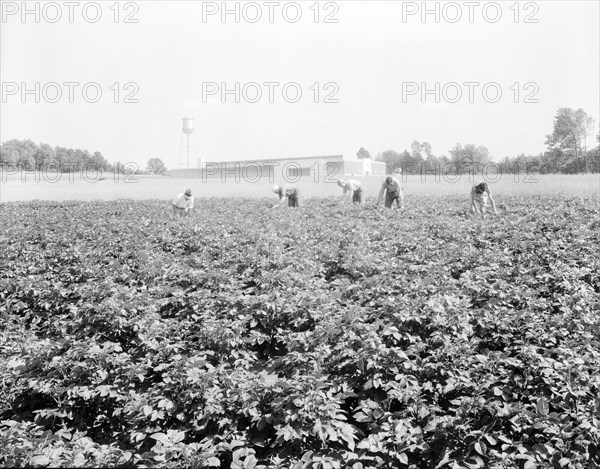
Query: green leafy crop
[[322, 337]]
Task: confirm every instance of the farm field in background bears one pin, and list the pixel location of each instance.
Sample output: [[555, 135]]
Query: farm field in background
[[159, 187], [320, 337]]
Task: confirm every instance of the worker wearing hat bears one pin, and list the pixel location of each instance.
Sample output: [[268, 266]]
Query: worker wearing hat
[[393, 192], [291, 193], [183, 203]]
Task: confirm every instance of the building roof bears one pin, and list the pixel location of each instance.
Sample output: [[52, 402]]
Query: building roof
[[274, 160]]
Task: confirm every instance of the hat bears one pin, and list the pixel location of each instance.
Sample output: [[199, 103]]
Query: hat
[[188, 192]]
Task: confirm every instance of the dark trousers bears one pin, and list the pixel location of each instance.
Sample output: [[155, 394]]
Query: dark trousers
[[295, 200], [358, 196], [390, 197], [179, 212]]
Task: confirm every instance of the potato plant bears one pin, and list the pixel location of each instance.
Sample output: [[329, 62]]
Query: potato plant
[[322, 337]]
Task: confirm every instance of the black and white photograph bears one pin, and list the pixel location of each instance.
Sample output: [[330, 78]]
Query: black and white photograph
[[306, 234]]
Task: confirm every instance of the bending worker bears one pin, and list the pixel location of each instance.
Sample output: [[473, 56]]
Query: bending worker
[[352, 188], [480, 194], [291, 193], [183, 204], [393, 192]]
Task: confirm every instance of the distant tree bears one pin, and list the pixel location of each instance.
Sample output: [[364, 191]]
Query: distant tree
[[426, 147], [505, 165], [443, 161], [593, 156], [156, 166], [44, 156], [82, 159], [528, 164], [431, 162], [119, 167], [61, 156], [99, 161], [8, 155], [417, 153], [560, 161], [391, 159], [26, 162], [470, 157], [30, 156], [408, 164], [422, 155], [19, 152], [362, 154], [569, 136], [415, 148], [68, 159]]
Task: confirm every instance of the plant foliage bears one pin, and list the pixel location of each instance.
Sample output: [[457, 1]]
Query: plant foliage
[[323, 337]]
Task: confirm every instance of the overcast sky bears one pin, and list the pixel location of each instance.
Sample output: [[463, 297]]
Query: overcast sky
[[370, 59]]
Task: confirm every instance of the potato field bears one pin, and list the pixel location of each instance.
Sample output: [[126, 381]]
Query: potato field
[[322, 337]]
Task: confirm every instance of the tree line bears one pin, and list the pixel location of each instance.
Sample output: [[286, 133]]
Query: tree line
[[28, 156], [566, 152]]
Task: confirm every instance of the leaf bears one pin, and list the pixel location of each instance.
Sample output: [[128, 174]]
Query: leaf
[[250, 462], [542, 406], [213, 462], [40, 461], [165, 403], [261, 424], [175, 436], [269, 380], [236, 443], [480, 447], [474, 462], [161, 437], [564, 462]]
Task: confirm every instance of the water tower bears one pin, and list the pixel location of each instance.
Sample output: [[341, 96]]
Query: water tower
[[187, 131]]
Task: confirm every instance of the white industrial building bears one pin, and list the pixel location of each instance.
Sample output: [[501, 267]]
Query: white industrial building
[[318, 168]]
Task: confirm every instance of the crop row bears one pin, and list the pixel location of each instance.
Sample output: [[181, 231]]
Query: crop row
[[321, 337]]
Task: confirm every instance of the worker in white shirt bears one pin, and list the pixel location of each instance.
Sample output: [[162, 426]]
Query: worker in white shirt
[[393, 192], [352, 189], [480, 195], [183, 204], [292, 194]]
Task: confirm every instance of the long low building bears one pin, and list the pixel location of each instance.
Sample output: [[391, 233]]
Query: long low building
[[318, 168]]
